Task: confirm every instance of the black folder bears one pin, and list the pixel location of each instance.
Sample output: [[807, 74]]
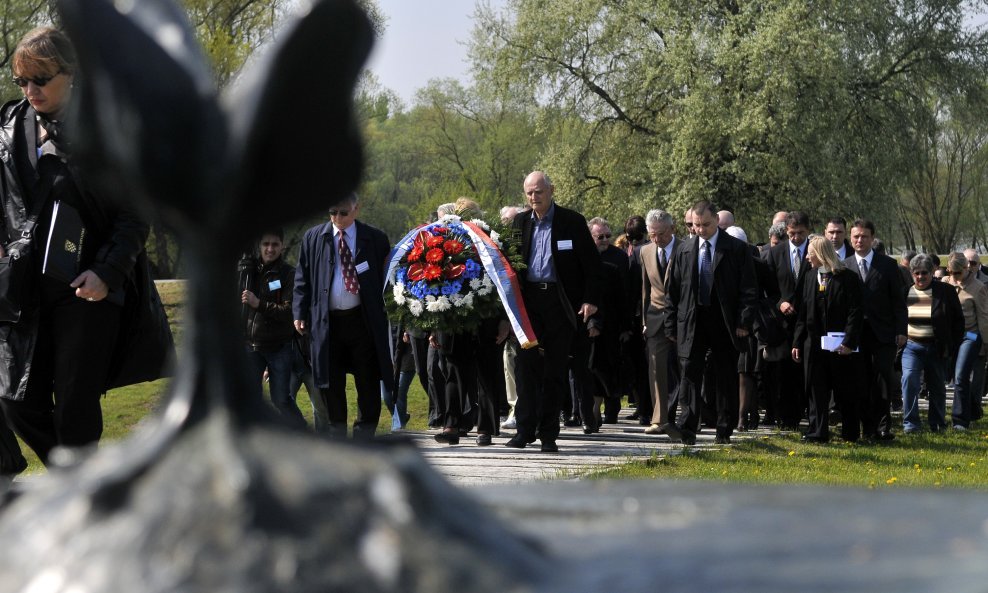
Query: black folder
[[64, 248]]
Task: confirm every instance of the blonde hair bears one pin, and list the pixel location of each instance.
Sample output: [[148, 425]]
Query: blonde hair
[[957, 262], [825, 252], [44, 51], [467, 208]]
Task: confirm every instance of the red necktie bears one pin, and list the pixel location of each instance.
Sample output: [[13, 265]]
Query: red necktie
[[346, 261]]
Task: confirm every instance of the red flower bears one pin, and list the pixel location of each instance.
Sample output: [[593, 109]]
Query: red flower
[[416, 253], [434, 256], [454, 271], [432, 272], [435, 241], [440, 230], [452, 247], [416, 272], [423, 238]]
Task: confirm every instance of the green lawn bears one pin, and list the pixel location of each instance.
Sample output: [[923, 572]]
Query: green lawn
[[947, 460]]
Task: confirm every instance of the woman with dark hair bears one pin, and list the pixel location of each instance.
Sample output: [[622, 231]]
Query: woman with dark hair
[[59, 352], [831, 308]]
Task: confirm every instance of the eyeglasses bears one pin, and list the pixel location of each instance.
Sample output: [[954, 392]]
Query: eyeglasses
[[689, 225], [601, 237], [37, 80], [973, 264], [339, 212]]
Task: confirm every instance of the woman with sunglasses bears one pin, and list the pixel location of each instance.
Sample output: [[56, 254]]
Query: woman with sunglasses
[[60, 349], [973, 296]]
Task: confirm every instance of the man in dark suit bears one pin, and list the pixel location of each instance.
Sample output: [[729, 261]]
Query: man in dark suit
[[654, 259], [338, 300], [884, 330], [836, 233], [788, 264], [710, 296], [561, 290]]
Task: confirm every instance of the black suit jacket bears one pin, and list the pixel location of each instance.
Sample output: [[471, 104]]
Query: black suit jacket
[[884, 297], [734, 284], [790, 289], [842, 311], [578, 268]]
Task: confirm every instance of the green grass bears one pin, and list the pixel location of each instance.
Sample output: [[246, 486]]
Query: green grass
[[947, 460]]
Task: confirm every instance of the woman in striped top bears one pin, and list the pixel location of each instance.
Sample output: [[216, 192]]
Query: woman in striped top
[[936, 326]]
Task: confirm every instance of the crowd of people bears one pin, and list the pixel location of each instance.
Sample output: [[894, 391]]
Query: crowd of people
[[699, 329]]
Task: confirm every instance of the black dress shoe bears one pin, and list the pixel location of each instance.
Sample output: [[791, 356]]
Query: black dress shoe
[[812, 438], [549, 447], [884, 435], [634, 416], [687, 438], [517, 442], [450, 438], [483, 439], [609, 420], [589, 429], [571, 423], [722, 440], [673, 431]]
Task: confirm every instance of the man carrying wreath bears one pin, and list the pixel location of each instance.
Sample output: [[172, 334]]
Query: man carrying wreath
[[561, 291]]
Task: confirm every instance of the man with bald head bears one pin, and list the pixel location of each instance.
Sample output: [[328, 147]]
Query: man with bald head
[[561, 290], [725, 219]]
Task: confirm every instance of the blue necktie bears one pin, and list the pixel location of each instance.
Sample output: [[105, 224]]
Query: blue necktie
[[706, 274]]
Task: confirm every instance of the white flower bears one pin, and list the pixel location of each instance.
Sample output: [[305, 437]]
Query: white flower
[[486, 288], [434, 305], [414, 307], [475, 284], [482, 225], [456, 299], [399, 293], [448, 218], [466, 301], [497, 239]]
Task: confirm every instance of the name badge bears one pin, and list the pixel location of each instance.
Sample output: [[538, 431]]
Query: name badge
[[565, 245], [362, 267], [274, 285]]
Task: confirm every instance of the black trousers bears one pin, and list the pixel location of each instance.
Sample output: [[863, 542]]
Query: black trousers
[[431, 377], [879, 369], [829, 372], [540, 373], [352, 350], [492, 396], [68, 372], [710, 333]]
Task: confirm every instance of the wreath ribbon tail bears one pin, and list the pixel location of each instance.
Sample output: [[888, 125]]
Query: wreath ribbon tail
[[506, 282]]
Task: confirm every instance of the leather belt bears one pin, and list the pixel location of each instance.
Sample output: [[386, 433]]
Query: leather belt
[[542, 285]]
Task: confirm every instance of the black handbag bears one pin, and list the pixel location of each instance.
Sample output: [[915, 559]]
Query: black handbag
[[16, 268], [768, 326], [145, 347]]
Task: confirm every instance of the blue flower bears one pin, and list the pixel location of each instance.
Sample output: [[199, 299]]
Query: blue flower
[[401, 276], [433, 290], [472, 269], [452, 288], [418, 289]]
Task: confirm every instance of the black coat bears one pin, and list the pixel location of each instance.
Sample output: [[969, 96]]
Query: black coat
[[574, 256], [734, 283], [114, 242], [789, 288], [884, 298], [842, 311]]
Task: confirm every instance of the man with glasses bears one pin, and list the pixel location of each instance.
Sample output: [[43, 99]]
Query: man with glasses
[[338, 301], [688, 223]]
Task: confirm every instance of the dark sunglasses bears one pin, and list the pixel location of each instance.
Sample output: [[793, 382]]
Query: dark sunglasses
[[689, 225], [340, 212], [602, 237], [37, 80]]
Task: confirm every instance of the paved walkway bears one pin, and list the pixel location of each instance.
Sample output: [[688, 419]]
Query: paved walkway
[[467, 464]]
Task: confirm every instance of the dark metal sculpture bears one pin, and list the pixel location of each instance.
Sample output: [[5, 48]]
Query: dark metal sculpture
[[213, 494]]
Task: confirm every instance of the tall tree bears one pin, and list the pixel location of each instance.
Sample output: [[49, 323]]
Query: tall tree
[[760, 105]]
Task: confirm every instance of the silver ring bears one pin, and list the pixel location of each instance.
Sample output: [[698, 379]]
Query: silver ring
[[90, 300]]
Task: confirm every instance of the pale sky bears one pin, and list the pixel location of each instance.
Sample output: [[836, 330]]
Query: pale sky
[[424, 39]]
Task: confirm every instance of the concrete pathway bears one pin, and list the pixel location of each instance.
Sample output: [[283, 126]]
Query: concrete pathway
[[467, 464]]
